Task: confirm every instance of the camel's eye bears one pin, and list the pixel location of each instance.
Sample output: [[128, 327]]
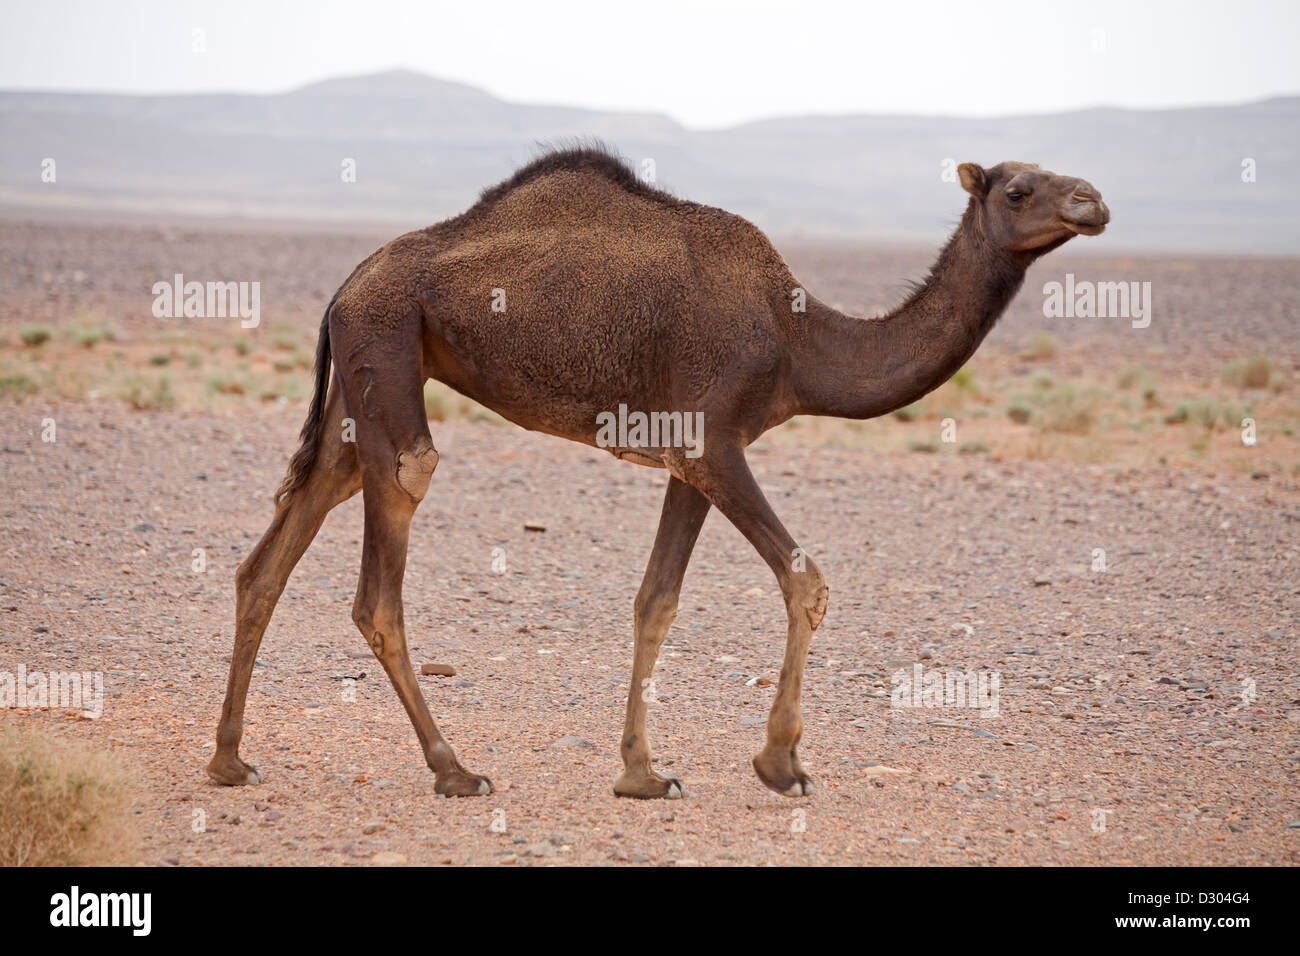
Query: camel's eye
[[1015, 196]]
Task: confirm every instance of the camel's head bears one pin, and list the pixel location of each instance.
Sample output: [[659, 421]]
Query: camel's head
[[1026, 209]]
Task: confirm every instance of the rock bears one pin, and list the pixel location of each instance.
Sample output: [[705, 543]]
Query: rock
[[143, 526], [370, 828], [437, 670], [534, 526], [273, 815], [880, 770], [1041, 581], [572, 741], [387, 858]]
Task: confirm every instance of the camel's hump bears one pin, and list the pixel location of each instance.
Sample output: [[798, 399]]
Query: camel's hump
[[596, 159]]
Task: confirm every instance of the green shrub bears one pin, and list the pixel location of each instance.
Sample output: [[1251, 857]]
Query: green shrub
[[34, 335]]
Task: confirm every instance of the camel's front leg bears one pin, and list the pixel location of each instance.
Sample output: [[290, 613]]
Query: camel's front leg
[[730, 485], [656, 605]]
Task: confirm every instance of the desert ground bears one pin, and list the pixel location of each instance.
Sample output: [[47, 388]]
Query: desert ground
[[1096, 533]]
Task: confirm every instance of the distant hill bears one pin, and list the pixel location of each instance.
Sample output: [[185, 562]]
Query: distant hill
[[424, 147]]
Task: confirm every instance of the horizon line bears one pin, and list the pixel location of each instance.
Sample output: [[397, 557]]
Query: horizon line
[[776, 117]]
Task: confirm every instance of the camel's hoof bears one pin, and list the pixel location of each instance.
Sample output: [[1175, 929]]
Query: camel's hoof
[[233, 773], [648, 786], [786, 780], [461, 784]]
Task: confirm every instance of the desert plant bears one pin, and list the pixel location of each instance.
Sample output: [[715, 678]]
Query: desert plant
[[91, 336], [1042, 346], [908, 412], [1208, 413], [1067, 411], [149, 395], [34, 335], [17, 384], [964, 380], [61, 803], [1252, 372]]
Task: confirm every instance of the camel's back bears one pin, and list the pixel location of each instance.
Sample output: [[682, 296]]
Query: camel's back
[[583, 224], [574, 283]]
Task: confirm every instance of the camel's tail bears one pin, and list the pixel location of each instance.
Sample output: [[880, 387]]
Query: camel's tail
[[304, 459]]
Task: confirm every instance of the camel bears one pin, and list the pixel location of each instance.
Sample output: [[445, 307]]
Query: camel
[[572, 289]]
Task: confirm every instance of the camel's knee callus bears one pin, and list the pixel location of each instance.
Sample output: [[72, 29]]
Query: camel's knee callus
[[415, 469], [811, 595], [817, 609]]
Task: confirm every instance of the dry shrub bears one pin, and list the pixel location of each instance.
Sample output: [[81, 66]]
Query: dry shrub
[[61, 803], [1041, 347], [1252, 372], [1067, 411]]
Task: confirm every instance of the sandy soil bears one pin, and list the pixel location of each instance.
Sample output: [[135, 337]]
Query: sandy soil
[[1120, 696]]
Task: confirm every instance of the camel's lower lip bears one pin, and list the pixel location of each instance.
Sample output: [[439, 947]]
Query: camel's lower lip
[[1083, 228]]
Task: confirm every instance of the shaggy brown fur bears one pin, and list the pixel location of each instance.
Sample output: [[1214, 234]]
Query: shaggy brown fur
[[573, 288]]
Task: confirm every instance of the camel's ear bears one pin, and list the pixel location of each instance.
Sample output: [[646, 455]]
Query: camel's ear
[[974, 179]]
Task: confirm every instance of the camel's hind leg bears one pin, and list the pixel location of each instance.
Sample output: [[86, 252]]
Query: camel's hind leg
[[397, 462], [683, 515], [262, 576]]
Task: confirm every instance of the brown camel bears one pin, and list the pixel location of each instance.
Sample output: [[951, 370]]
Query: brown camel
[[572, 290]]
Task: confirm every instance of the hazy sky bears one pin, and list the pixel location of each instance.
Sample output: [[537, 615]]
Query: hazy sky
[[706, 63]]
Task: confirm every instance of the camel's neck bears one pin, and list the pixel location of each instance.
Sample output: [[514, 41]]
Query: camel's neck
[[861, 368]]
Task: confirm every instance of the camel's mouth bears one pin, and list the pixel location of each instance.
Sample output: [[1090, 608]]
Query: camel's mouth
[[1086, 214]]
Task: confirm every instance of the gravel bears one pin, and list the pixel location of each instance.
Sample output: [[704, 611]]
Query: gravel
[[1147, 714]]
